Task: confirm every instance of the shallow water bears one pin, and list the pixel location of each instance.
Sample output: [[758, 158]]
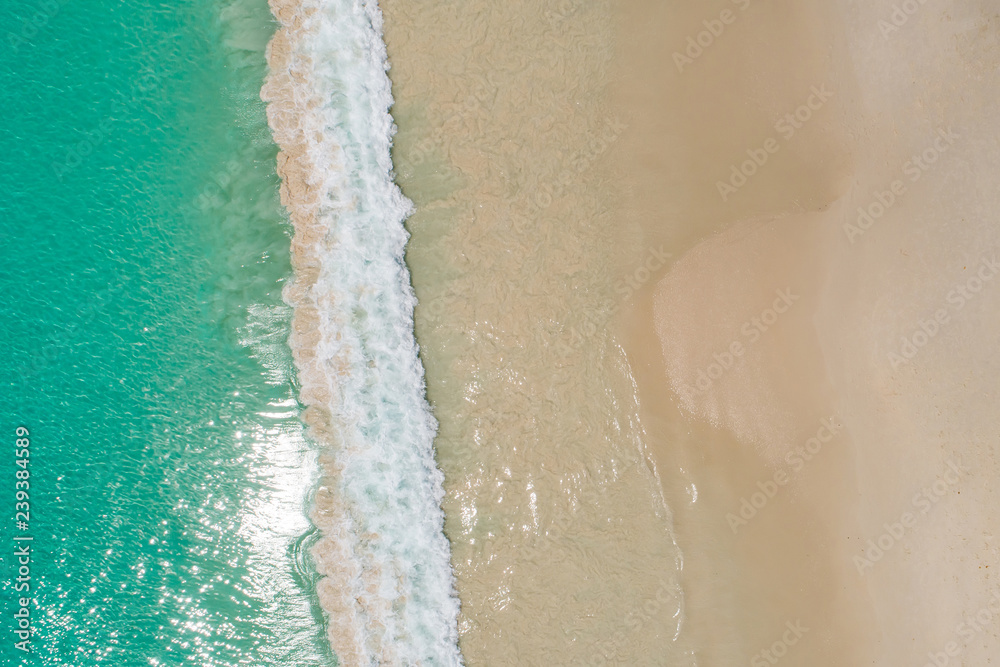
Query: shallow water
[[562, 544]]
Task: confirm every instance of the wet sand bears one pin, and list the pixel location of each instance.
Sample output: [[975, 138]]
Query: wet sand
[[562, 545], [644, 274]]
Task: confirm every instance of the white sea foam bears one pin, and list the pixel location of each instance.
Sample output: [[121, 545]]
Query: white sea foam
[[388, 586]]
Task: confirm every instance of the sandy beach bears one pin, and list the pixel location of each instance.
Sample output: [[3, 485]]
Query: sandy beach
[[820, 211], [705, 300]]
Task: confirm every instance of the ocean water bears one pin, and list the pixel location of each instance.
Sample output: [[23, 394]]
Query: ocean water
[[150, 305], [144, 342]]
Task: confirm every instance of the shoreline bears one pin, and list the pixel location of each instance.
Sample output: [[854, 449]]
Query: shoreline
[[552, 503], [386, 584]]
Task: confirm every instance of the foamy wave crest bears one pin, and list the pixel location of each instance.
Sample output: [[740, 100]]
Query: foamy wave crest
[[388, 588]]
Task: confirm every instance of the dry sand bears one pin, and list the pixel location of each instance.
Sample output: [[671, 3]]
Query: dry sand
[[729, 424]]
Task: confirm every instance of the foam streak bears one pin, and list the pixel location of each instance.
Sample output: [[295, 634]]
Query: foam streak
[[388, 586]]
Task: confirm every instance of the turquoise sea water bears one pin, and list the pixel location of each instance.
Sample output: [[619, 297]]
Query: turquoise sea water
[[144, 342]]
